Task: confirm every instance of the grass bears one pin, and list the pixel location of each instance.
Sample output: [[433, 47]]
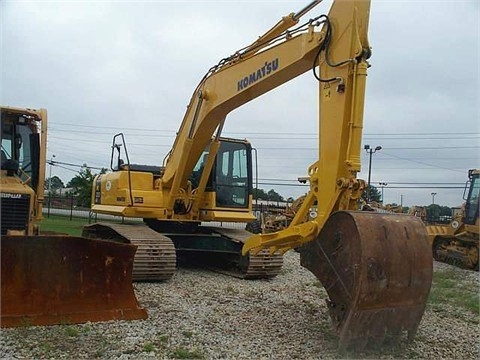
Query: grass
[[163, 339], [71, 331], [148, 347], [187, 334], [447, 288], [182, 353], [63, 225]]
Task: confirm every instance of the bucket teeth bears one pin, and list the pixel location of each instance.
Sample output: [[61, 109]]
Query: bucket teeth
[[377, 271]]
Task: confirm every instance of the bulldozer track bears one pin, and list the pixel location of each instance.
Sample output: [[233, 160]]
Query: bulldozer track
[[155, 258], [262, 265], [454, 251]]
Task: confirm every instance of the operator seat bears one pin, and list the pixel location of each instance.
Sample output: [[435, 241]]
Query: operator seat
[[4, 158]]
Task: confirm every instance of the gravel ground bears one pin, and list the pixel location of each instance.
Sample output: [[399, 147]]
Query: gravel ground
[[201, 314]]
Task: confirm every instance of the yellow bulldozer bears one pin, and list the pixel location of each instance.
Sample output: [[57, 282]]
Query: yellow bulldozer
[[458, 242], [48, 279], [376, 267]]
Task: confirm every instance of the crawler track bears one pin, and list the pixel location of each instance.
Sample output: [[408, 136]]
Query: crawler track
[[155, 258], [259, 266]]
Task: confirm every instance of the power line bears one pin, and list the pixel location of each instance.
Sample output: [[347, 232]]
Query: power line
[[57, 163], [289, 182], [373, 182], [275, 148], [273, 133], [389, 187], [269, 136], [284, 137], [66, 168]]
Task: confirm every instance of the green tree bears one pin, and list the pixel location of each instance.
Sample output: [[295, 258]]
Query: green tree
[[274, 196], [82, 185], [375, 194], [271, 195], [260, 194], [57, 183], [435, 211]]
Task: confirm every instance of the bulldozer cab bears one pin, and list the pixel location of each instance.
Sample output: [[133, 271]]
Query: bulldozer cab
[[472, 198], [21, 162], [20, 147], [31, 292]]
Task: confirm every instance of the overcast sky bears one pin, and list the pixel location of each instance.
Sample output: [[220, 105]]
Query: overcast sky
[[131, 66]]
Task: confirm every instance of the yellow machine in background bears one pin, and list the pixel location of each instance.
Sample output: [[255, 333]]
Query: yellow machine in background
[[418, 211], [376, 268], [23, 169], [51, 279], [458, 242]]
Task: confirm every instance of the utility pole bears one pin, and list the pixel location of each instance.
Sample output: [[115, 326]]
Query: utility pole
[[50, 185], [382, 185], [370, 151]]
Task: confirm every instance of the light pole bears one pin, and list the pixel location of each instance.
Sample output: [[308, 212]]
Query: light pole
[[50, 184], [433, 197], [382, 185], [370, 151]]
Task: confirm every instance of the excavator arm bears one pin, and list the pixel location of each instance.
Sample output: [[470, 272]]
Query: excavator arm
[[338, 42], [342, 60], [376, 268]]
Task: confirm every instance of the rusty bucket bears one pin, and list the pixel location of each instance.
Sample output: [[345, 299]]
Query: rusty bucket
[[377, 270], [50, 280]]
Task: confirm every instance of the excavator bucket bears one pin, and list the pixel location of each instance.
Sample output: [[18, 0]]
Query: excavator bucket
[[50, 280], [377, 270]]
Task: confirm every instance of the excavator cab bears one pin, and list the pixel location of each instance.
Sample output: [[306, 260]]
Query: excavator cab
[[227, 187], [231, 176]]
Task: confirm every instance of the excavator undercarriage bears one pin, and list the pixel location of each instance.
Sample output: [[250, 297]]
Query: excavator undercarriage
[[159, 245]]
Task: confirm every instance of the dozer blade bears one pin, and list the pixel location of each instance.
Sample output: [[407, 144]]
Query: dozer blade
[[377, 270], [50, 280]]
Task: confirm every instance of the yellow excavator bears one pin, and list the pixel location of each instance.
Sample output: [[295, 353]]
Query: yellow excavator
[[458, 242], [376, 268], [48, 279]]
